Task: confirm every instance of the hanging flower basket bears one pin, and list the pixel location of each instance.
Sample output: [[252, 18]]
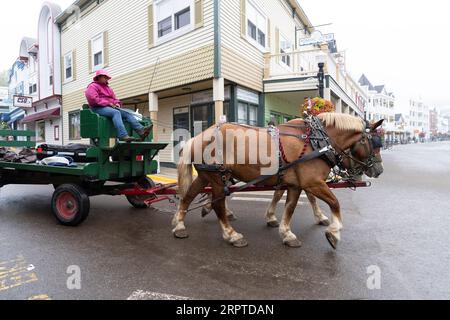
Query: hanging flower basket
[[381, 132], [318, 106]]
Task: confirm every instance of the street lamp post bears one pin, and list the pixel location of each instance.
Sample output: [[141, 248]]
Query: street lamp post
[[321, 59]]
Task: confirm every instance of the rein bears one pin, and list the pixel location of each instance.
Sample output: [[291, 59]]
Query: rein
[[357, 167]]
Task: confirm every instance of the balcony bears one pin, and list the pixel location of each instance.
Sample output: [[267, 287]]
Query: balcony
[[297, 72]]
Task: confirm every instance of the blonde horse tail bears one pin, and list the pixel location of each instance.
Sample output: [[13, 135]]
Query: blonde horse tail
[[185, 169]]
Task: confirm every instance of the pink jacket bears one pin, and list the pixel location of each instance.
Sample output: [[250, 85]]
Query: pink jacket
[[100, 95]]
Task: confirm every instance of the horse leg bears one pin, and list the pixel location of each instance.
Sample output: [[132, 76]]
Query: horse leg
[[333, 233], [289, 238], [207, 209], [229, 234], [271, 218], [321, 219], [179, 230]]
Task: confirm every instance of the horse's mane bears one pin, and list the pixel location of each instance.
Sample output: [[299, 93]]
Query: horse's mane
[[342, 121]]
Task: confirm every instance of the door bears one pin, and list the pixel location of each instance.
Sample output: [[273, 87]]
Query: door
[[180, 122], [202, 118]]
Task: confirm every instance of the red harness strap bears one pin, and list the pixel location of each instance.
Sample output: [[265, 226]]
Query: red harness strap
[[305, 147]]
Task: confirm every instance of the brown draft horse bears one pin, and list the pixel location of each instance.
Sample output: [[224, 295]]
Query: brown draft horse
[[349, 136]]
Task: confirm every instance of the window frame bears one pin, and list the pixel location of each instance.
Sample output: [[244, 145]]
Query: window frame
[[71, 114], [39, 138], [174, 33], [285, 51], [56, 133], [255, 42], [66, 80], [248, 106], [98, 37]]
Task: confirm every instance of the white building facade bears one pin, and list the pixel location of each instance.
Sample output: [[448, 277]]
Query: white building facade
[[419, 117], [44, 115], [381, 105]]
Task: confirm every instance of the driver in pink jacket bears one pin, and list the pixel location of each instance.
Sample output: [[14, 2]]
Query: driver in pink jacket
[[103, 101]]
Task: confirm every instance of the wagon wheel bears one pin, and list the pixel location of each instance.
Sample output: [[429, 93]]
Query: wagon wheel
[[70, 205], [139, 201]]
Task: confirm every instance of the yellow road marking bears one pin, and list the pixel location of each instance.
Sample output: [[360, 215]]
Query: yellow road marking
[[40, 297], [166, 180], [161, 179], [15, 273]]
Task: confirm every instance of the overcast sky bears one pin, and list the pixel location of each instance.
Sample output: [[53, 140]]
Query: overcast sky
[[403, 44]]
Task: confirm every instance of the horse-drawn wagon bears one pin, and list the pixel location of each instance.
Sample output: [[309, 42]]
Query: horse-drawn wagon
[[123, 169], [117, 166]]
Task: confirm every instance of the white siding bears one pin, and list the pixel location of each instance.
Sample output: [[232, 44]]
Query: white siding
[[279, 16], [127, 25]]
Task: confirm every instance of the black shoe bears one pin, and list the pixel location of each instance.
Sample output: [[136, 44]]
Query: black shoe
[[127, 139], [145, 132]]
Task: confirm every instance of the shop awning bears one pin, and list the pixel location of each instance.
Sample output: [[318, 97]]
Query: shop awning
[[47, 114], [5, 117], [16, 117]]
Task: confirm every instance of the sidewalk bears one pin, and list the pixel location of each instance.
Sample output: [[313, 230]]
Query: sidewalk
[[166, 176]]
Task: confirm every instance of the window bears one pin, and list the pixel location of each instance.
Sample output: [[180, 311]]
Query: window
[[247, 114], [164, 27], [68, 66], [256, 25], [56, 133], [97, 52], [40, 129], [32, 88], [74, 126], [173, 18], [252, 115], [285, 47], [50, 75], [242, 113], [183, 18]]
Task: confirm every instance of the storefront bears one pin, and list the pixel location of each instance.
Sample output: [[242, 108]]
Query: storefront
[[195, 112]]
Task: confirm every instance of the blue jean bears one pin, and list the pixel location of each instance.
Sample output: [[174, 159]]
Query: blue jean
[[118, 116]]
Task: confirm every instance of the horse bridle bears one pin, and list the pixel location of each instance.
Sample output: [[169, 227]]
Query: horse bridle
[[358, 167]]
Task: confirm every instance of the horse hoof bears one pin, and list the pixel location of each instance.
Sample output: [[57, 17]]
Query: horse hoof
[[181, 234], [204, 213], [293, 243], [241, 243], [273, 224], [332, 240], [325, 223], [232, 218]]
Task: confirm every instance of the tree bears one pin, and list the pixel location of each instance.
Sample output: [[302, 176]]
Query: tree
[[4, 126], [4, 78]]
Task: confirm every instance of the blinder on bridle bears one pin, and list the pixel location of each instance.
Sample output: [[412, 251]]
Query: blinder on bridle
[[375, 142]]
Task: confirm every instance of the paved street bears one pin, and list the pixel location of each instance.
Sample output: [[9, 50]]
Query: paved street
[[400, 225]]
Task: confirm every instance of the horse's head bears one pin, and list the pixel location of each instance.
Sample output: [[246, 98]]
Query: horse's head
[[365, 154]]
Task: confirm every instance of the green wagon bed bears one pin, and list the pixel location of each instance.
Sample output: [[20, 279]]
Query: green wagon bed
[[120, 163]]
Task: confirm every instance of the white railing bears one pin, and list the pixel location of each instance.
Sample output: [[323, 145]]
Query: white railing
[[304, 63], [293, 64]]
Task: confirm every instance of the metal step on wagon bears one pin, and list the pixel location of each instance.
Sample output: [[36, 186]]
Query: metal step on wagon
[[118, 166]]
